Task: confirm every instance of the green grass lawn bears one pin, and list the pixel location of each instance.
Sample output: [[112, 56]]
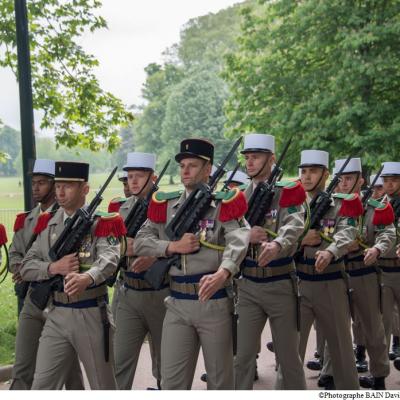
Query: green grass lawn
[[11, 201]]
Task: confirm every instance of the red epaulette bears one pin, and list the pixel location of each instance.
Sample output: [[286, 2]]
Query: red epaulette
[[233, 206], [384, 215], [20, 221], [42, 222], [115, 205], [110, 225], [3, 235], [293, 195], [157, 210], [351, 205]]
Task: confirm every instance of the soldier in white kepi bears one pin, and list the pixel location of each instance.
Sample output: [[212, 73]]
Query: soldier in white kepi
[[268, 288]]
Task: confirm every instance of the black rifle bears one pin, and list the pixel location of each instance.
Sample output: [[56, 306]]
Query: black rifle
[[322, 201], [368, 193], [186, 220], [135, 219], [21, 289], [68, 243], [261, 199], [229, 180], [395, 203]]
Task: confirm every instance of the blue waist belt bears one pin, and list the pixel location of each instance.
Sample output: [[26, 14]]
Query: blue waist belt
[[362, 271], [390, 269], [81, 304], [314, 276], [355, 267], [186, 287], [249, 262]]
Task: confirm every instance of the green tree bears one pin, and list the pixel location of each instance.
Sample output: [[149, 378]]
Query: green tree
[[10, 143], [65, 89], [327, 72], [159, 84], [195, 109]]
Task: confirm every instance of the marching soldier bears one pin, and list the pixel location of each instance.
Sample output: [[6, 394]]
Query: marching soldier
[[375, 238], [31, 319], [390, 264], [78, 320], [198, 309], [321, 270], [268, 288], [124, 179], [141, 308]]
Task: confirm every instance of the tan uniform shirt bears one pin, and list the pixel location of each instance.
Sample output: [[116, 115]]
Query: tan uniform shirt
[[341, 230], [287, 223], [151, 240], [98, 256], [21, 239], [391, 253], [382, 238]]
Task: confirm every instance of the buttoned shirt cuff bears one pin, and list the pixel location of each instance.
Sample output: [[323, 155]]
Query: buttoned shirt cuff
[[333, 249], [161, 249], [381, 249], [230, 266], [282, 242], [96, 275]]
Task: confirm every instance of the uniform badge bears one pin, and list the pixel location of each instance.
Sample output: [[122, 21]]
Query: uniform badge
[[84, 250], [112, 240]]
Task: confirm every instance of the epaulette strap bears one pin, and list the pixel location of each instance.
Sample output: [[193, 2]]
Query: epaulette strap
[[42, 222], [234, 205], [115, 204], [110, 224], [3, 235], [293, 195], [383, 215], [351, 205], [20, 221], [164, 196]]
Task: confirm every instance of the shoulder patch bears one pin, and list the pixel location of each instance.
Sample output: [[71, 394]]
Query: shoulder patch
[[375, 203], [20, 220], [383, 215], [351, 205], [109, 224], [3, 235], [293, 194], [286, 183], [234, 205], [157, 210]]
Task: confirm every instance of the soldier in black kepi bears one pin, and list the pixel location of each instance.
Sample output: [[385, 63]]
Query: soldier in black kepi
[[198, 309], [78, 318]]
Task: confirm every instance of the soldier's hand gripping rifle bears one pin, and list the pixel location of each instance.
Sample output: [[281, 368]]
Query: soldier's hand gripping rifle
[[186, 220], [261, 199], [135, 219], [68, 242], [322, 201]]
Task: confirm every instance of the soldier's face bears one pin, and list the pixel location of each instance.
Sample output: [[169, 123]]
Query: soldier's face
[[378, 192], [41, 187], [391, 184], [194, 171], [71, 195], [127, 192], [139, 182], [259, 163], [313, 178], [350, 183]]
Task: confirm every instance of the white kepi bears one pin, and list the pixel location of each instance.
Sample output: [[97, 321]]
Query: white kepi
[[354, 165], [379, 181], [122, 176], [239, 177], [391, 169], [258, 142], [137, 160], [311, 158], [44, 167]]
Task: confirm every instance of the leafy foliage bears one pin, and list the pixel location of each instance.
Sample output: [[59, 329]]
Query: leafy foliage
[[65, 88]]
